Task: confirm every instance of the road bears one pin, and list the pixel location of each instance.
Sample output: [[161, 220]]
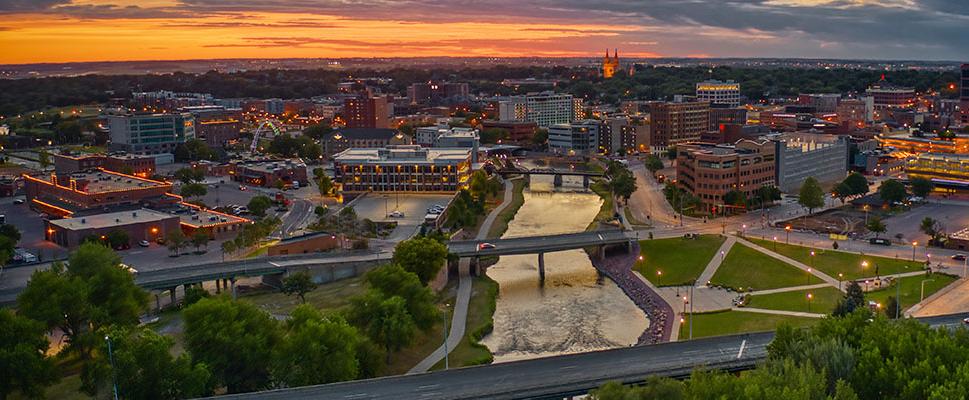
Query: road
[[648, 204], [557, 377], [539, 244]]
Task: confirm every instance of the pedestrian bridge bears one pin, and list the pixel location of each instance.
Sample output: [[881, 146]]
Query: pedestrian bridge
[[539, 244]]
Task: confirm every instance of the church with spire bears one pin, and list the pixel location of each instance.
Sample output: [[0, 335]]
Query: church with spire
[[610, 65]]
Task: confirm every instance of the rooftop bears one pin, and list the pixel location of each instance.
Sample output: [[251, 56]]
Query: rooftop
[[404, 154], [196, 217], [270, 166], [99, 221], [101, 181], [364, 133]]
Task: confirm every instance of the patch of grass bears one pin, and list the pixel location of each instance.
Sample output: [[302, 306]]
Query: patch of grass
[[746, 268], [732, 322], [261, 250], [823, 300], [480, 322], [333, 296], [680, 260], [833, 262], [500, 225], [910, 289], [601, 188]]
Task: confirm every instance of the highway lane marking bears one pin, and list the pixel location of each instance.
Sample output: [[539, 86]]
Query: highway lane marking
[[424, 387], [356, 396], [569, 367], [742, 345]]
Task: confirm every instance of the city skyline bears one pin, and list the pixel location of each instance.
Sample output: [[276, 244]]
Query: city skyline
[[120, 30]]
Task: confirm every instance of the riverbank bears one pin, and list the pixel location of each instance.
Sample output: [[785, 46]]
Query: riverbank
[[618, 267]]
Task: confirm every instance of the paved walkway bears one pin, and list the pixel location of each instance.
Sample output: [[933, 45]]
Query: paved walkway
[[952, 299], [831, 281], [778, 312], [716, 261], [460, 319], [790, 289], [618, 267]]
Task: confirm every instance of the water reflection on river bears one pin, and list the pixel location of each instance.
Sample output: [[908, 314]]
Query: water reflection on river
[[576, 310]]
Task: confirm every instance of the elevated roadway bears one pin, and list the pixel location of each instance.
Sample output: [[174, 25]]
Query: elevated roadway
[[538, 244], [561, 376]]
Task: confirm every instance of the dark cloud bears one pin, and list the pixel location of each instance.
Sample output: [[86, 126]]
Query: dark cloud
[[29, 5]]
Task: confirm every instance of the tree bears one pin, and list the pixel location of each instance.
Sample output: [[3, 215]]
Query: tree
[[193, 150], [858, 184], [892, 191], [259, 204], [318, 131], [390, 325], [118, 238], [811, 195], [300, 284], [149, 369], [493, 135], [193, 294], [229, 247], [10, 231], [876, 225], [671, 153], [190, 175], [200, 238], [623, 185], [654, 163], [842, 191], [854, 299], [932, 228], [735, 198], [540, 138], [194, 190], [91, 293], [23, 343], [234, 339], [921, 187], [892, 308], [392, 280], [768, 194], [316, 349], [422, 256], [43, 158], [323, 182], [175, 240]]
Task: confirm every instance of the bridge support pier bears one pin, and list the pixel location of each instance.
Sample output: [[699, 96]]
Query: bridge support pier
[[157, 303], [585, 181], [218, 286], [557, 181], [171, 292], [541, 267], [232, 281], [602, 252]]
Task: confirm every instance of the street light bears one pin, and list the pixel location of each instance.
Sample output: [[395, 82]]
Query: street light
[[809, 297], [659, 277], [114, 378], [913, 249], [743, 230], [775, 243], [840, 280], [446, 307], [788, 229], [922, 294]]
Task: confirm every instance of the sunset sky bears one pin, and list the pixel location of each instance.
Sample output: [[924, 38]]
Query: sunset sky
[[34, 31]]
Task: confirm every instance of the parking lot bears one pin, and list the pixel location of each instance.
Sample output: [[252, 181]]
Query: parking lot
[[953, 215], [377, 207]]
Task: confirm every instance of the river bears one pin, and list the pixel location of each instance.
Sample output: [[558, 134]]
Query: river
[[576, 310]]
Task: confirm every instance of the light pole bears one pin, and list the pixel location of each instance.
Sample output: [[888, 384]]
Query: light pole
[[446, 306], [659, 278], [866, 214], [811, 268], [840, 280], [114, 376], [743, 230], [922, 293], [913, 249], [898, 284], [775, 243], [809, 297], [788, 229], [691, 311]]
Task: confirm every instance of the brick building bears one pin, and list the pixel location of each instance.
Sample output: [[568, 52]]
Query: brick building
[[347, 138], [518, 131], [675, 123], [138, 165], [94, 191], [141, 224], [710, 171], [271, 173], [315, 242]]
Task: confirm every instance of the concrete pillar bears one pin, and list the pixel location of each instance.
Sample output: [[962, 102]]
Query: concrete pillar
[[541, 267], [157, 302], [218, 287], [171, 292], [557, 181], [232, 281], [602, 252], [585, 181]]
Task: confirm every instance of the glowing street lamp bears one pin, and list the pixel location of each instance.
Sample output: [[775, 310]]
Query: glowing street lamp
[[809, 298], [914, 244], [659, 277], [788, 229]]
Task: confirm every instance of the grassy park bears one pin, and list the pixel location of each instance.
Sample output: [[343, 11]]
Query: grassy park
[[822, 300], [833, 262], [910, 290], [679, 261], [746, 268], [732, 322], [500, 225]]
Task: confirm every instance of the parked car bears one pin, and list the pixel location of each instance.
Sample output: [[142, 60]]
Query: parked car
[[396, 214], [959, 257], [880, 241], [966, 321], [485, 246], [144, 243], [18, 201]]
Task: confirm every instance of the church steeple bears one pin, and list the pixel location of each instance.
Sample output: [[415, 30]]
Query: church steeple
[[610, 65]]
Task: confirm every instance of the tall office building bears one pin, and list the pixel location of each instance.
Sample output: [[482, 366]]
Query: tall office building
[[887, 95], [545, 108], [719, 92], [802, 155], [709, 172], [822, 102], [149, 133], [577, 138], [674, 123], [964, 94], [367, 112]]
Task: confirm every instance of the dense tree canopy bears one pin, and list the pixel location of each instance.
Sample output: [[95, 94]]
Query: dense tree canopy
[[421, 255], [23, 343], [811, 196]]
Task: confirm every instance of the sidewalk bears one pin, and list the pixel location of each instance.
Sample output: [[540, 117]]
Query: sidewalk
[[831, 281], [778, 312], [460, 318], [715, 262], [790, 289]]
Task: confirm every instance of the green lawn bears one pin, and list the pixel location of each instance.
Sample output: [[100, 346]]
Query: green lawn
[[331, 296], [601, 187], [481, 310], [911, 288], [822, 301], [733, 322], [833, 262], [681, 261], [500, 224], [746, 268]]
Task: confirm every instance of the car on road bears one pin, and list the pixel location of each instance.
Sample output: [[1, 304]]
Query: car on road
[[396, 214], [144, 243], [485, 246], [959, 257], [243, 188], [18, 201], [880, 241], [965, 321]]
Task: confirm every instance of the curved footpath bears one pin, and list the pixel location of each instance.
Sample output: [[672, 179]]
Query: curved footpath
[[618, 267], [460, 318]]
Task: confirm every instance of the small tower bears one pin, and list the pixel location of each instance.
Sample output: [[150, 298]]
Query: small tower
[[610, 65]]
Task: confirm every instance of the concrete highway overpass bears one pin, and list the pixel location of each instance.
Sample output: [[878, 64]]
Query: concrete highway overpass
[[560, 376], [538, 244]]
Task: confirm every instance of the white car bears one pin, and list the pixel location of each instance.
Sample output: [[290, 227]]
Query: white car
[[18, 201], [396, 214], [144, 243]]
